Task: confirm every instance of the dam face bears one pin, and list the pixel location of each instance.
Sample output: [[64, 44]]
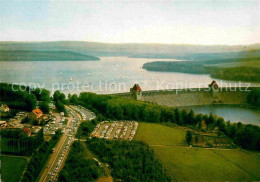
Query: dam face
[[189, 97]]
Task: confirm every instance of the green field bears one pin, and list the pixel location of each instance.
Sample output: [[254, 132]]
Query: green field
[[198, 164], [12, 168], [156, 134]]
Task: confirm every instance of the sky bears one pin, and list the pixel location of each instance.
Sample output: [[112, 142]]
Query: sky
[[204, 22]]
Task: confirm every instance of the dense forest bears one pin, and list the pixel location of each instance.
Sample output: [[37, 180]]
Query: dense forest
[[29, 55], [237, 73], [130, 160], [39, 158], [112, 107], [254, 97], [17, 97], [78, 167], [246, 72]]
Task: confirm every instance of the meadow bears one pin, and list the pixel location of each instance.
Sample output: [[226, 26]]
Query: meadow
[[198, 164], [12, 168], [156, 134]]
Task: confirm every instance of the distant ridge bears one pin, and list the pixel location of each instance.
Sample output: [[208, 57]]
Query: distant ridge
[[143, 50], [32, 55]]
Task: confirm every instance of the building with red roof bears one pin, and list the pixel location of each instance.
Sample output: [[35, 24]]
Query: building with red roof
[[27, 131], [36, 114], [137, 88]]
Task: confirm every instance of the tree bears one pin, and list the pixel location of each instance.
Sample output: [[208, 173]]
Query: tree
[[44, 107], [184, 115], [191, 117], [73, 99], [60, 106], [198, 119], [188, 137], [196, 138], [210, 119], [58, 96], [42, 94]]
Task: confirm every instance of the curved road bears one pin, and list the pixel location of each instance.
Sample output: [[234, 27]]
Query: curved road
[[52, 169]]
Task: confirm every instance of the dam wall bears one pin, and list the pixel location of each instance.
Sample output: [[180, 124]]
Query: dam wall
[[188, 97]]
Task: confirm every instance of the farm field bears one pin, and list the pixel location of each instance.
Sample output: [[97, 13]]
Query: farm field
[[156, 134], [198, 164], [12, 168]]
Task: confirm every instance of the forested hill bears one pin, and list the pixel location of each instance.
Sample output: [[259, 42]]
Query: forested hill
[[237, 69], [150, 50], [29, 55]]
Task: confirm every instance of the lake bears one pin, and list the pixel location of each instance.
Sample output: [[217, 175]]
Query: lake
[[109, 75], [113, 75], [233, 113]]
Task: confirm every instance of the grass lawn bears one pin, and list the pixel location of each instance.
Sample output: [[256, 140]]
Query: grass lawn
[[12, 168], [197, 164], [247, 161], [156, 134]]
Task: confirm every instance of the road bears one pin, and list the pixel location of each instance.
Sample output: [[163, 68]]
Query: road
[[57, 159]]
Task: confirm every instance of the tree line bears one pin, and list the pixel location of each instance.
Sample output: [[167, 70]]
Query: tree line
[[15, 141], [39, 158]]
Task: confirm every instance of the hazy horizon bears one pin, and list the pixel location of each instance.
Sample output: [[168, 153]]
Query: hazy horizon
[[151, 43], [150, 22]]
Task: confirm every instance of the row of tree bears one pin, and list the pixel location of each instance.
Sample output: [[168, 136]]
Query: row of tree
[[15, 141], [39, 158], [129, 160]]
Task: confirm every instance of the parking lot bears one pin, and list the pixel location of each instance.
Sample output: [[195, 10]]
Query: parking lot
[[16, 121], [57, 122], [124, 130]]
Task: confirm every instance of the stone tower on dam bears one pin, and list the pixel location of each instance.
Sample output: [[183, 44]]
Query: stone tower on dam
[[190, 96], [136, 92]]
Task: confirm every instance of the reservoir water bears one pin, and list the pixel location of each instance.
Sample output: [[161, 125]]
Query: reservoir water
[[232, 113], [109, 75], [115, 75]]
